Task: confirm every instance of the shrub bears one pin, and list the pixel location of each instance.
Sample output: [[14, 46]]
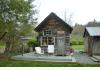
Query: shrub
[[2, 45], [81, 43], [77, 43], [74, 43], [32, 43]]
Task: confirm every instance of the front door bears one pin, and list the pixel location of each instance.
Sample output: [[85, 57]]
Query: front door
[[60, 46], [90, 47]]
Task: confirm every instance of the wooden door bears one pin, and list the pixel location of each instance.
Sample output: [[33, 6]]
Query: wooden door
[[60, 46], [90, 44]]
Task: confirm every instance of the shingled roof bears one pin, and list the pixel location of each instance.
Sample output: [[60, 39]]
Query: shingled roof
[[54, 16]]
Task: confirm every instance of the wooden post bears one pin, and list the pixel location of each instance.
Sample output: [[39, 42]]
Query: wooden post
[[22, 49]]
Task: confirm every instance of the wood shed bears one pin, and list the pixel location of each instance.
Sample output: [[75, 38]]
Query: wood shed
[[54, 31], [92, 40]]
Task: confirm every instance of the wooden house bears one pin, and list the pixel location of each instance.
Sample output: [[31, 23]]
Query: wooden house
[[54, 31], [92, 40]]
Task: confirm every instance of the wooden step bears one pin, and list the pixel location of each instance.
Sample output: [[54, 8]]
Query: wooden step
[[97, 57], [94, 59]]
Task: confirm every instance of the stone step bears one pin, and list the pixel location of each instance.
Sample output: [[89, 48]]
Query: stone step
[[55, 60], [94, 59], [49, 59]]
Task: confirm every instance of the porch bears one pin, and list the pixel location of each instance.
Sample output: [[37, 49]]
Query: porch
[[47, 58]]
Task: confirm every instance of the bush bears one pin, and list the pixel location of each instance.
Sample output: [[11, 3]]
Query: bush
[[81, 43], [74, 42], [2, 45], [77, 43], [32, 43]]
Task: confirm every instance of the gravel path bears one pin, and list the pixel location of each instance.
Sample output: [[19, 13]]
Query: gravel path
[[34, 57], [78, 57], [83, 58]]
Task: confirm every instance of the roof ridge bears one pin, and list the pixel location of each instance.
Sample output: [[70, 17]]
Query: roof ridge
[[50, 15]]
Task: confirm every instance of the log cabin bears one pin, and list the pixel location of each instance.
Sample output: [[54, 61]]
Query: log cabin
[[54, 31], [92, 40]]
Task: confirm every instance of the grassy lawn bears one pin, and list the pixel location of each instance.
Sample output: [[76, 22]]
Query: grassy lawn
[[13, 63], [77, 38], [78, 47]]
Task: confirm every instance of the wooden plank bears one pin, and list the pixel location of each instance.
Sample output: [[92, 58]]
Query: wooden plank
[[60, 32]]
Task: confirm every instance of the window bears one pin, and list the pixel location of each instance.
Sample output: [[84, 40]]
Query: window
[[48, 32], [50, 41], [47, 41]]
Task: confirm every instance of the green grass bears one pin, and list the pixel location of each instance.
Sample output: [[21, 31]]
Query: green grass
[[13, 63], [78, 47], [77, 38], [2, 46]]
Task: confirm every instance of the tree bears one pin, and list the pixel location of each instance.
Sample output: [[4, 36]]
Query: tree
[[93, 23], [16, 16], [1, 37], [77, 34], [68, 17]]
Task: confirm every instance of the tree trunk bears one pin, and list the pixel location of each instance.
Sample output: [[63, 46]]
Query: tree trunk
[[8, 45], [3, 35], [12, 45], [7, 48]]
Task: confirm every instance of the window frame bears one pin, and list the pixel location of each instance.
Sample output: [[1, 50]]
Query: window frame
[[47, 32], [46, 41]]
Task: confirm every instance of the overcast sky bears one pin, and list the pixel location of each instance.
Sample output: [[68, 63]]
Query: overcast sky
[[83, 11]]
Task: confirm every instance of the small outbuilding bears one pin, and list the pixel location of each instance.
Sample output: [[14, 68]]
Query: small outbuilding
[[54, 31], [92, 40]]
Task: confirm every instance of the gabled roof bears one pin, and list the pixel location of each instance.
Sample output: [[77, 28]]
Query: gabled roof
[[54, 16], [93, 31]]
